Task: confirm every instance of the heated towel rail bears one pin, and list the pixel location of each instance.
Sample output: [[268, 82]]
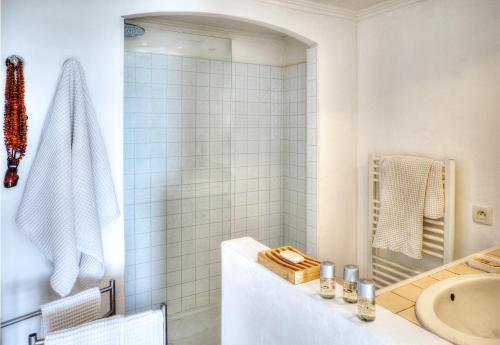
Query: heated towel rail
[[387, 267]]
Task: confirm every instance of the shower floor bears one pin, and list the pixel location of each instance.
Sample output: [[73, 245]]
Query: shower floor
[[199, 327]]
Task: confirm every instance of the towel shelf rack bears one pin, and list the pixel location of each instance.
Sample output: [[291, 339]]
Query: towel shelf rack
[[111, 288], [386, 267]]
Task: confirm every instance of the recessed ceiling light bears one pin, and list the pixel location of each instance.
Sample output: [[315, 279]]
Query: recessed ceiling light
[[179, 47]]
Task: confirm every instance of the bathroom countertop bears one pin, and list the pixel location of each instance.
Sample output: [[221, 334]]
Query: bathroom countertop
[[401, 298], [259, 307]]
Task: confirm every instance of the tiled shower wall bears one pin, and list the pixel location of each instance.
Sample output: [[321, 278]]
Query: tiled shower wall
[[213, 151], [294, 156], [256, 152]]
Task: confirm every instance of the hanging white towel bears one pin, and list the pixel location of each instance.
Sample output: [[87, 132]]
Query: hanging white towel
[[69, 194], [404, 194], [140, 329], [434, 194], [71, 311]]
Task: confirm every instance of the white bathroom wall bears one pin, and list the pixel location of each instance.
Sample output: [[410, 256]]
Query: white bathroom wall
[[294, 52], [46, 33], [429, 84]]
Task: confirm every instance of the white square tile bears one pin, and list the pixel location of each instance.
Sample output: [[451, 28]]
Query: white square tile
[[174, 77], [203, 66], [174, 62], [159, 76], [253, 70], [240, 68], [143, 75], [158, 61], [216, 67], [129, 59], [189, 64], [142, 60]]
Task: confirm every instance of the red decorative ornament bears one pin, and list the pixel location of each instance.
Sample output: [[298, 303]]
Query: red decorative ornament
[[15, 127]]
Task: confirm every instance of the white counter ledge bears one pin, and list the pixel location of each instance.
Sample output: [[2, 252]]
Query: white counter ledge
[[261, 308]]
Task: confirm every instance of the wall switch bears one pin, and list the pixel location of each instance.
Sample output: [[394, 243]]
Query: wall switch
[[482, 214]]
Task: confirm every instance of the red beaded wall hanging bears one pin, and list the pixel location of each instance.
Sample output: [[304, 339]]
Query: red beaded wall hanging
[[15, 120]]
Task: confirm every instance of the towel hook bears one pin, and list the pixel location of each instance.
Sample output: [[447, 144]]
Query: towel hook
[[14, 59]]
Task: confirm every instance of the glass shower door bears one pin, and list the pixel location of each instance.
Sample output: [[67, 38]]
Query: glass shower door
[[177, 155]]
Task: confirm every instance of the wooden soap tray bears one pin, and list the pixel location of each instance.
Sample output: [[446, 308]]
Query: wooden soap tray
[[294, 273]]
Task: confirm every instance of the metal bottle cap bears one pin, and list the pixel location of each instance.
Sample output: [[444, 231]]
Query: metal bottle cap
[[327, 269], [351, 273], [366, 289]]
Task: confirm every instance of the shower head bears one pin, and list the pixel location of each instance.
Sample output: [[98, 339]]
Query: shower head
[[132, 30]]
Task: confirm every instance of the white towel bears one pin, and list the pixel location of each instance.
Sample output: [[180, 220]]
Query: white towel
[[108, 331], [434, 195], [407, 189], [145, 328], [69, 194], [141, 329], [71, 311]]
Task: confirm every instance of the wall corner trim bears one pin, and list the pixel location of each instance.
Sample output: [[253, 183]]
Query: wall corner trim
[[315, 8], [334, 11], [383, 7]]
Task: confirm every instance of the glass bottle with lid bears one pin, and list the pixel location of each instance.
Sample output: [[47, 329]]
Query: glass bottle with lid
[[350, 285], [366, 300], [327, 280]]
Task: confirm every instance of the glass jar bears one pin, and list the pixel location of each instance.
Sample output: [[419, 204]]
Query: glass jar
[[366, 300], [350, 286], [327, 280]]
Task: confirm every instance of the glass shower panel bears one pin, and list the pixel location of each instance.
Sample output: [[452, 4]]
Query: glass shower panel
[[177, 168]]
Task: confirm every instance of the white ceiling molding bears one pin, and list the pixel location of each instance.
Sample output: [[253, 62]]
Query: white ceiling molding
[[333, 11], [383, 7], [315, 8]]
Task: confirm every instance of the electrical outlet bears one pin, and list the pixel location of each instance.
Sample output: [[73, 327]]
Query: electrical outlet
[[482, 214]]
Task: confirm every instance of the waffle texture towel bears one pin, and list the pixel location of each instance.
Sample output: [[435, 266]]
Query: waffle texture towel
[[410, 187], [69, 194], [71, 311], [108, 331], [141, 329]]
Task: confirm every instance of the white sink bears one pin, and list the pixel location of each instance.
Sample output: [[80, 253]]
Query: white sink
[[464, 310]]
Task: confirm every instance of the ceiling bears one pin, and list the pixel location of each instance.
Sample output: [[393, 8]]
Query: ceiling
[[354, 5]]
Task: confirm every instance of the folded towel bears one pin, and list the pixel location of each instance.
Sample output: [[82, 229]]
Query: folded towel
[[71, 311], [145, 328], [141, 329], [408, 186], [69, 193], [108, 331]]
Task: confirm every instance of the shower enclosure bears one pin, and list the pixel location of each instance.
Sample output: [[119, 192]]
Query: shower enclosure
[[214, 149]]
